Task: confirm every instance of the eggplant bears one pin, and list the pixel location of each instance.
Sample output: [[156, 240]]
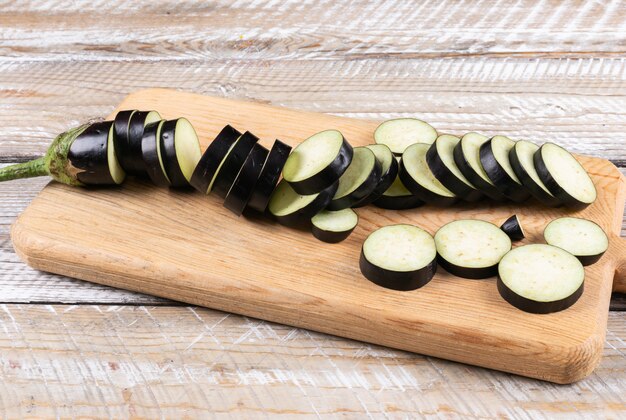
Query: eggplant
[[180, 151], [333, 226], [318, 162], [241, 190], [121, 140], [467, 158], [521, 158], [270, 174], [129, 153], [471, 249], [540, 278], [417, 177], [564, 176], [397, 197], [400, 133], [295, 210], [233, 163], [389, 172], [212, 159], [151, 152], [440, 159], [494, 157], [399, 257], [358, 181], [582, 238], [513, 228]]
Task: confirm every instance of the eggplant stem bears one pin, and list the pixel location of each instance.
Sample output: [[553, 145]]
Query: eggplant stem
[[30, 169]]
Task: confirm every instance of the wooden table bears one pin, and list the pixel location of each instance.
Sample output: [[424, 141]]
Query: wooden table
[[538, 70]]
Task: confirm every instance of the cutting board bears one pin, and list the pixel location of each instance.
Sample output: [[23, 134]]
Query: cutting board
[[185, 246]]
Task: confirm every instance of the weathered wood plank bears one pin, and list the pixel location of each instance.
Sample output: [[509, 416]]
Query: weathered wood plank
[[118, 362], [577, 103], [145, 30]]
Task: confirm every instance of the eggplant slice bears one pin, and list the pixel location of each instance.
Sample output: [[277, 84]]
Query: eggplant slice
[[318, 162], [180, 150], [440, 159], [513, 228], [494, 158], [471, 249], [397, 197], [540, 278], [292, 209], [151, 152], [580, 237], [121, 127], [233, 162], [417, 177], [92, 156], [400, 133], [269, 176], [521, 158], [211, 161], [389, 172], [467, 158], [358, 181], [334, 226], [241, 190], [564, 176], [130, 155], [399, 257]]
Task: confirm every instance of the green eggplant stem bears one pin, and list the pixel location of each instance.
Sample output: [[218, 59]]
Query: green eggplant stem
[[36, 167]]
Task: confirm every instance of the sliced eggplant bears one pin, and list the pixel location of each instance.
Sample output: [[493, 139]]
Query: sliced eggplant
[[358, 181], [399, 257], [269, 176], [180, 150], [151, 152], [540, 278], [521, 158], [130, 155], [292, 209], [467, 158], [397, 197], [582, 238], [400, 133], [211, 161], [334, 226], [471, 249], [494, 157], [233, 163], [440, 159], [241, 190], [389, 172], [92, 156], [513, 228], [417, 177], [318, 162], [121, 126], [564, 176]]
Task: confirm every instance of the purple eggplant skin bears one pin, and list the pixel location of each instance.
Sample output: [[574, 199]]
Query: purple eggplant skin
[[501, 179], [383, 185], [397, 280], [241, 190], [129, 156], [327, 176], [168, 154], [448, 179], [149, 151], [269, 176], [535, 190], [535, 307], [88, 155], [513, 228], [330, 237], [364, 190], [302, 218], [483, 186], [233, 164], [398, 202], [121, 140], [468, 272], [212, 157]]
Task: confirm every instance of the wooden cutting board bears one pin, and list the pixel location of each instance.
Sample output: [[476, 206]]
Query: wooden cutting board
[[185, 246]]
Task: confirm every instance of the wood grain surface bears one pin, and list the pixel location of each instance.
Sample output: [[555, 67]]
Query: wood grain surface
[[542, 70]]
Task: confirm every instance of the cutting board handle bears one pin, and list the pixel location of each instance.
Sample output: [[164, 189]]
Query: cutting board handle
[[619, 283]]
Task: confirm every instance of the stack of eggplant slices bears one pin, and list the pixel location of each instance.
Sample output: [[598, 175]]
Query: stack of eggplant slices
[[324, 178]]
